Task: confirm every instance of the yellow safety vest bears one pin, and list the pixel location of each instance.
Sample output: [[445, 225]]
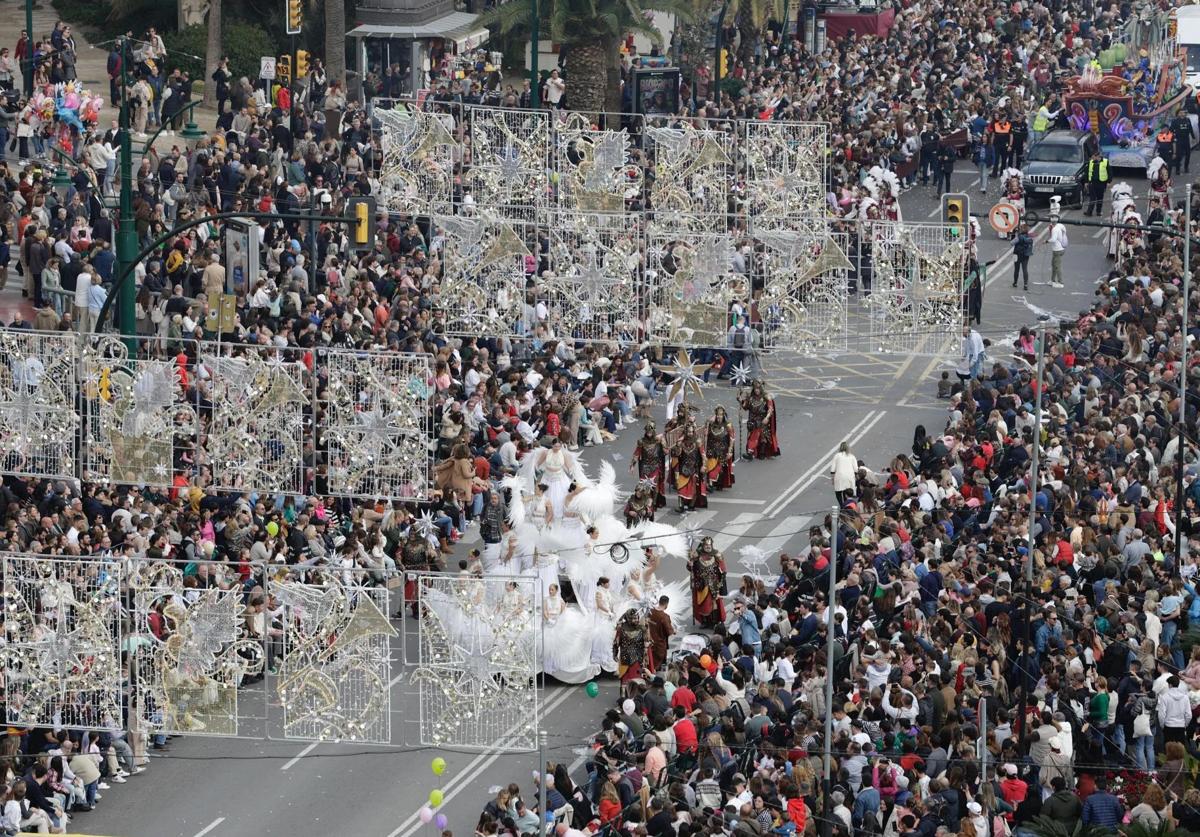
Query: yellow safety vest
[[1103, 171]]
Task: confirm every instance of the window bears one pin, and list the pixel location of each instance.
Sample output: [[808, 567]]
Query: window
[[1056, 153]]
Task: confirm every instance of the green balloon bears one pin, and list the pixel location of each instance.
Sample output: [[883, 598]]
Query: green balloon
[[592, 689], [438, 766], [272, 528], [435, 797]]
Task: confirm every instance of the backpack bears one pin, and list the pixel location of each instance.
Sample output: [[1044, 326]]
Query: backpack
[[739, 339]]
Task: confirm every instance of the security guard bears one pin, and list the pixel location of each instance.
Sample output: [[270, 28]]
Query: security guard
[[1095, 178], [1164, 144], [1001, 131], [1185, 137]]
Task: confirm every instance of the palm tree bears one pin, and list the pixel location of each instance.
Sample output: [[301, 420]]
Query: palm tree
[[212, 52], [335, 41], [590, 32], [750, 17]]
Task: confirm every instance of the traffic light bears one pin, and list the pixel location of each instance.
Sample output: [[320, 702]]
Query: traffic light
[[723, 70], [283, 70], [362, 214], [955, 212], [301, 63], [295, 16]]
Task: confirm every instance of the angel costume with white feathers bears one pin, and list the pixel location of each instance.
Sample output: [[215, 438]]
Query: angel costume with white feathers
[[574, 640]]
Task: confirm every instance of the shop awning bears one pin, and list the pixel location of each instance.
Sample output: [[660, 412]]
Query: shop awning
[[457, 26]]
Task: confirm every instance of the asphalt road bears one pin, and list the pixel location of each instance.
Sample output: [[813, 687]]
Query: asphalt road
[[262, 788]]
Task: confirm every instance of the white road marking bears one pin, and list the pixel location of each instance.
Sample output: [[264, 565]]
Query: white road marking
[[735, 501], [733, 530], [821, 463], [794, 525], [818, 470], [481, 763], [301, 755], [1099, 233], [210, 826]]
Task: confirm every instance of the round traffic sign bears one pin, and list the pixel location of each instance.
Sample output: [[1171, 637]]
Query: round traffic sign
[[1004, 217]]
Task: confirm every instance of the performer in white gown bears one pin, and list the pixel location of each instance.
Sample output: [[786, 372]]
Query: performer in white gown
[[557, 467], [577, 536]]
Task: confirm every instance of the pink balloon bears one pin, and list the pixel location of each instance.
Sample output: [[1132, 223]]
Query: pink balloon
[[440, 821], [426, 814]]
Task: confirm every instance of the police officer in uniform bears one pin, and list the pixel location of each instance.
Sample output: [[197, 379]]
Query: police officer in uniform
[[1164, 145], [1095, 180], [1001, 131], [1185, 136]]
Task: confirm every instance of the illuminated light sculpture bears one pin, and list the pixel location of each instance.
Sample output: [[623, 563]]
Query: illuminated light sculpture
[[917, 292], [805, 298], [419, 153], [594, 170], [509, 162], [376, 421], [37, 403], [188, 682], [593, 287], [689, 285], [334, 680], [61, 657], [478, 662]]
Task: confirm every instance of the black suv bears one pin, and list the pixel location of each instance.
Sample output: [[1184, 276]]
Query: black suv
[[1055, 166]]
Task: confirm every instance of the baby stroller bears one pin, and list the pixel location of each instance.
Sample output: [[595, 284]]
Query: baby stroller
[[1013, 191]]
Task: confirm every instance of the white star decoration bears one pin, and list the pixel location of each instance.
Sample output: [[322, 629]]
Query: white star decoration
[[686, 375], [740, 375]]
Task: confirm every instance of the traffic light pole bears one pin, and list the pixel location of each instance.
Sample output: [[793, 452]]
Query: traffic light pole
[[293, 97]]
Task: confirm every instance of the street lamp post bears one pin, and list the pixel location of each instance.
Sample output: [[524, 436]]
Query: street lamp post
[[535, 13], [126, 233], [28, 47]]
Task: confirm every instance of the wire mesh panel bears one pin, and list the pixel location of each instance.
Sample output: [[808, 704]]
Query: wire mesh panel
[[483, 286], [785, 165], [690, 284], [420, 151], [805, 280], [695, 169], [190, 649], [38, 422], [62, 623], [595, 167], [509, 161], [917, 287], [139, 423], [478, 661], [333, 683], [595, 259], [254, 436], [374, 425]]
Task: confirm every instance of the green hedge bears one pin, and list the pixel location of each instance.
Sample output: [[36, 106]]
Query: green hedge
[[244, 43]]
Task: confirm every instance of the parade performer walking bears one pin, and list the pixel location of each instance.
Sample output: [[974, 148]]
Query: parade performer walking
[[761, 441]]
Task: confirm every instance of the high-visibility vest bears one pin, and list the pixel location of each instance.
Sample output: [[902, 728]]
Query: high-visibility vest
[[1103, 171], [1166, 136], [1041, 122], [1003, 127]]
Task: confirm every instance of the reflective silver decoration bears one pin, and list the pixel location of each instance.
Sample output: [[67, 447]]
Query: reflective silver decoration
[[805, 297], [61, 657], [420, 149], [483, 287], [37, 403], [255, 438], [786, 171], [917, 292], [689, 285], [594, 167], [376, 414], [509, 163], [477, 666], [187, 681], [334, 679], [595, 259], [137, 418], [694, 171]]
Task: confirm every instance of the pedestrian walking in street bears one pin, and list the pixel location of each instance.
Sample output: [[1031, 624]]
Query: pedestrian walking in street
[[1095, 179], [946, 155], [1058, 246], [1022, 250]]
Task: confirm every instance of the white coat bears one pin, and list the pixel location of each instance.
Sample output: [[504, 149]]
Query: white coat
[[844, 471]]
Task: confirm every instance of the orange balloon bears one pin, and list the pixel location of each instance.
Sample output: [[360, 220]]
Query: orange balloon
[[705, 660]]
